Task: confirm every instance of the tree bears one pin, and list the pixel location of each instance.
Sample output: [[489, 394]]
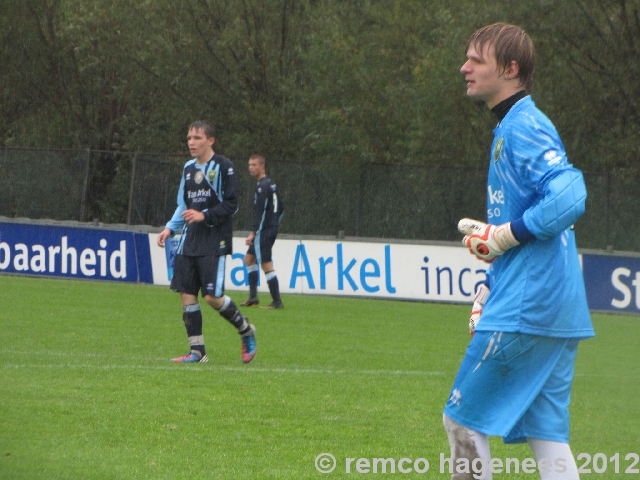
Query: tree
[[589, 77]]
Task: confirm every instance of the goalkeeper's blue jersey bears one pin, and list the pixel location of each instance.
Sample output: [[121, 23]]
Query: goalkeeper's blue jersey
[[537, 287]]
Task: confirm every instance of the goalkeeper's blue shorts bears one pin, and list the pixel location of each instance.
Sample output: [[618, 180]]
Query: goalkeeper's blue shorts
[[515, 385]]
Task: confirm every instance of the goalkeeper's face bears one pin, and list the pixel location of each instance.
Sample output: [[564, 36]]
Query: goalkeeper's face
[[485, 80]]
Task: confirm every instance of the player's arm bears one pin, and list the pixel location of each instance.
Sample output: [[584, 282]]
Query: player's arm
[[258, 210], [177, 221], [280, 204], [563, 202], [542, 166], [257, 213], [260, 205], [162, 237]]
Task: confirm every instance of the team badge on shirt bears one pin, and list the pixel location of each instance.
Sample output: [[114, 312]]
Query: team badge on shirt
[[198, 177], [498, 150], [212, 175]]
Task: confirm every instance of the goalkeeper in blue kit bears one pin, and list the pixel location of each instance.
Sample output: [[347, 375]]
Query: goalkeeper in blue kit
[[527, 320]]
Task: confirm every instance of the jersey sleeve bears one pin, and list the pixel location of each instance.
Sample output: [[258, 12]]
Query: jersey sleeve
[[542, 165], [177, 222], [563, 202]]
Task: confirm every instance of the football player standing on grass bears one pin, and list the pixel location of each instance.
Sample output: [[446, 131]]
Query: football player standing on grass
[[515, 379], [268, 209], [207, 200]]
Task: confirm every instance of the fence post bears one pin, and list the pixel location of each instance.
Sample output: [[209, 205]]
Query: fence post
[[607, 210], [360, 195], [85, 188], [131, 185]]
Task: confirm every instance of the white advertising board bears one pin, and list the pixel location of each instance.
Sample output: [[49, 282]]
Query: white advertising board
[[380, 270]]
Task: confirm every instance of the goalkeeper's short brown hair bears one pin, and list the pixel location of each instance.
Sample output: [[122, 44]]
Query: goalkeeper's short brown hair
[[511, 43]]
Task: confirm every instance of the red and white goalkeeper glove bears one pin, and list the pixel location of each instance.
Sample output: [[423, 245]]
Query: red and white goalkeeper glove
[[487, 241], [478, 305]]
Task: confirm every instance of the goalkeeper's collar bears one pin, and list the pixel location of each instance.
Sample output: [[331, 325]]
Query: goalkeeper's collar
[[501, 109]]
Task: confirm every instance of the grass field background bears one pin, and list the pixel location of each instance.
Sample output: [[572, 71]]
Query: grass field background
[[87, 390]]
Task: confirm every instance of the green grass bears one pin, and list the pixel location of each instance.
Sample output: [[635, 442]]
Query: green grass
[[87, 391]]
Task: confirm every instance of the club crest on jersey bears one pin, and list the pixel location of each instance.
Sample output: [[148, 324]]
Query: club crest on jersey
[[498, 150], [212, 175], [198, 177]]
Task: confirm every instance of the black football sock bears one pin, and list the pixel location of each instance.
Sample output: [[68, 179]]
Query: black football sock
[[274, 286], [253, 280], [192, 318]]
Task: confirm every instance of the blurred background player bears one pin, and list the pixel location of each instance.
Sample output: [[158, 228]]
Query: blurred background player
[[207, 200], [268, 209], [515, 379]]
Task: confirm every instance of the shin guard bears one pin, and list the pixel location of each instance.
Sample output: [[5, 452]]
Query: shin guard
[[229, 311]]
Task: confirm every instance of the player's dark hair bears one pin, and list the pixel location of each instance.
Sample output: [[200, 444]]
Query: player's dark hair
[[510, 43], [258, 157], [208, 129]]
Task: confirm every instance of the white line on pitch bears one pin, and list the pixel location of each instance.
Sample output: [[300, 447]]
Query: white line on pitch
[[247, 369]]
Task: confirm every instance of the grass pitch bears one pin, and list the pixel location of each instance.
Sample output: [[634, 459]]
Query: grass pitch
[[87, 390]]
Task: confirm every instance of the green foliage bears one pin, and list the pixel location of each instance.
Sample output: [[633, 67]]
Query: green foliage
[[307, 79], [587, 76], [316, 81]]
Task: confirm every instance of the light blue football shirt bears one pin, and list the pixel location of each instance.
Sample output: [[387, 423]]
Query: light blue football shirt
[[537, 287]]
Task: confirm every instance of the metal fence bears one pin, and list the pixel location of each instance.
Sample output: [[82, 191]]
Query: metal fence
[[413, 202]]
